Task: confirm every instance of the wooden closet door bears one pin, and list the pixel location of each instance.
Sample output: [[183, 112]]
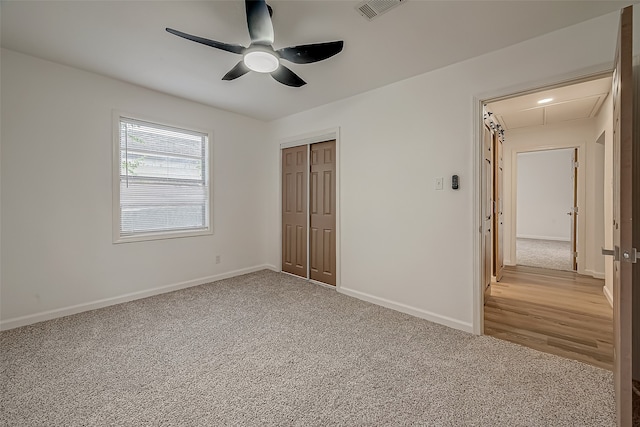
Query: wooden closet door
[[322, 209], [294, 210]]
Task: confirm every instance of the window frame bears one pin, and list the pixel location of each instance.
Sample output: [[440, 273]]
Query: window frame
[[117, 116]]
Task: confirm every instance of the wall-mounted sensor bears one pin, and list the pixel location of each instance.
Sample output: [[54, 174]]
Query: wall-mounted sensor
[[454, 182]]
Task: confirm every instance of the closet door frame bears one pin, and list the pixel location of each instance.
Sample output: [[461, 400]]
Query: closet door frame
[[308, 139]]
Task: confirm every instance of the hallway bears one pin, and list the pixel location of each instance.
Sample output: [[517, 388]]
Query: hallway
[[557, 312]]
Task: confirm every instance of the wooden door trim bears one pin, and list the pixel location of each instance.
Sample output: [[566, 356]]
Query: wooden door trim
[[488, 205], [308, 139], [311, 138], [497, 232], [576, 214]]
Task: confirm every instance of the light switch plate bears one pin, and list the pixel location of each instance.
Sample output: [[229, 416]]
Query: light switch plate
[[439, 183]]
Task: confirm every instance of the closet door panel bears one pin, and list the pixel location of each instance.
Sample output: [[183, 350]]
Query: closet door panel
[[294, 210], [322, 212]]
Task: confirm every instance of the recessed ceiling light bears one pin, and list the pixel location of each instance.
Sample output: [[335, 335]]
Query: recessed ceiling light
[[545, 101]]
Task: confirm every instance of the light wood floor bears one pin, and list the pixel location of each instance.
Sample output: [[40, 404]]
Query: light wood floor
[[557, 312]]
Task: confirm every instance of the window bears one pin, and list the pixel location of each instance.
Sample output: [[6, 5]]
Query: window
[[161, 181]]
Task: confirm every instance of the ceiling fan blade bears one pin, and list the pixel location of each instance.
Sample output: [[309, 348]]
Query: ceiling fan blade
[[259, 22], [233, 48], [287, 77], [239, 70], [309, 53]]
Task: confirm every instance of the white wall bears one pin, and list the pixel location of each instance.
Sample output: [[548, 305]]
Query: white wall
[[545, 194], [604, 124], [596, 202], [57, 249], [404, 244]]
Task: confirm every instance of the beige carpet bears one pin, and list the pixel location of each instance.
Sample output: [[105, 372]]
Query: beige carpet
[[266, 349], [552, 254]]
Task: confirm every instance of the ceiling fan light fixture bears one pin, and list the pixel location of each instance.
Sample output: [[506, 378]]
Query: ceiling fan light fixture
[[260, 55], [261, 61]]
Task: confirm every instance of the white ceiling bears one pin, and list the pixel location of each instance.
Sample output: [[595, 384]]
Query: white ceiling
[[572, 102], [126, 40]]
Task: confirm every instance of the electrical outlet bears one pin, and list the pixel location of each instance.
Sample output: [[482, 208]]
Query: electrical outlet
[[439, 183], [217, 259]]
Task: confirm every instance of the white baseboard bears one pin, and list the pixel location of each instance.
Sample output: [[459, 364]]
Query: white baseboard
[[417, 312], [594, 274], [269, 267], [79, 308], [608, 295], [526, 236]]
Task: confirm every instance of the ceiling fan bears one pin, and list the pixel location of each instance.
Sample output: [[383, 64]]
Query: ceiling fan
[[260, 55]]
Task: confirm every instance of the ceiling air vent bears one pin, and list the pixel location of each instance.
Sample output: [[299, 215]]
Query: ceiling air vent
[[373, 8]]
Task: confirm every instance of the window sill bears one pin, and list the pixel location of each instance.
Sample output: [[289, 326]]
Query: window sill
[[164, 235]]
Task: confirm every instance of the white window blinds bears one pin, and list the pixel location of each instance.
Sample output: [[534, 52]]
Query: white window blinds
[[164, 179]]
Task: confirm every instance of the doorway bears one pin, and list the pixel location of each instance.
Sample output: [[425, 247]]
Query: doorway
[[309, 210], [547, 209], [550, 297]]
